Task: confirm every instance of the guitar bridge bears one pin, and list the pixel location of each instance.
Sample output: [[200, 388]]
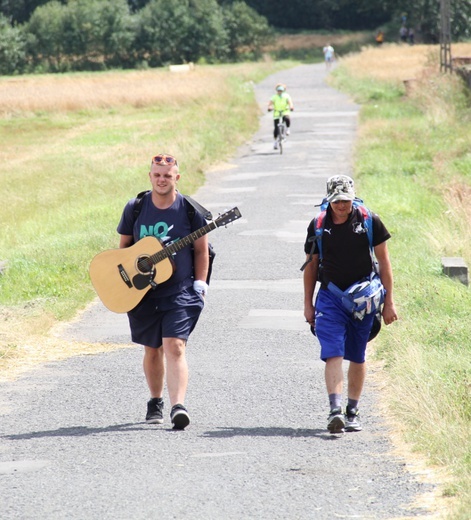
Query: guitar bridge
[[124, 276]]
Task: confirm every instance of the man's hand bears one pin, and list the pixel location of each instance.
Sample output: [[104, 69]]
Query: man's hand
[[389, 313], [200, 287], [309, 314]]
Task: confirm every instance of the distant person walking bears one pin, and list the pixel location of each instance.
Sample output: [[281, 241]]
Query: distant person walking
[[281, 104], [339, 255], [411, 36], [329, 55], [403, 33], [379, 37]]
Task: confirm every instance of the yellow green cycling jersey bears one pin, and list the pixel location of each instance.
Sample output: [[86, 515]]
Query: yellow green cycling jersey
[[281, 104]]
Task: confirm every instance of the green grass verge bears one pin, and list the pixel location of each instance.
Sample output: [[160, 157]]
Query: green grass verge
[[410, 157]]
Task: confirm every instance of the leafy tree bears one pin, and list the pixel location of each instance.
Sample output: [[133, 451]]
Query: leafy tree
[[81, 34], [135, 5], [176, 31], [207, 36], [162, 27], [424, 15], [295, 14], [46, 37], [12, 48], [19, 11], [247, 30], [97, 31]]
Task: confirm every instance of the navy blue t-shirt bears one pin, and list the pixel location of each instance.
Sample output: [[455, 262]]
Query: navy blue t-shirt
[[168, 225]]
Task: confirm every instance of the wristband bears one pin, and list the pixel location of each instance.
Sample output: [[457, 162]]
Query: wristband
[[200, 287]]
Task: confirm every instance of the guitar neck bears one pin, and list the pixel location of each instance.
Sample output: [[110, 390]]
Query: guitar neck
[[181, 243]]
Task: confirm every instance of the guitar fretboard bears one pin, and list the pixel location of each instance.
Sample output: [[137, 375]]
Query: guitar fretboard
[[180, 244]]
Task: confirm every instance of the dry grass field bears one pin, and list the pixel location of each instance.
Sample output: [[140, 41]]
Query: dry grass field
[[88, 91], [397, 63]]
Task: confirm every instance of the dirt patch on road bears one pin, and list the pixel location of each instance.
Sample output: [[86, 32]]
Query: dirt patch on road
[[27, 341]]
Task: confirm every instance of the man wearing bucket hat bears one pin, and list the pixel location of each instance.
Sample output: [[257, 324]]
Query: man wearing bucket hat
[[340, 257]]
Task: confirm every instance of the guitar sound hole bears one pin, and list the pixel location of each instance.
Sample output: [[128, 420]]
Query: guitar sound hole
[[145, 265]]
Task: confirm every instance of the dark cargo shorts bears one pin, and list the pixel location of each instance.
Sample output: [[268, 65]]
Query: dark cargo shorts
[[172, 316]]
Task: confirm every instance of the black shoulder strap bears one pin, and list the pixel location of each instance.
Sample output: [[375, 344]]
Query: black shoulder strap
[[192, 206], [138, 203], [198, 207]]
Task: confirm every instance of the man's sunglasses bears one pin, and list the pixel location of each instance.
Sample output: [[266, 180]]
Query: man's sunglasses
[[166, 160]]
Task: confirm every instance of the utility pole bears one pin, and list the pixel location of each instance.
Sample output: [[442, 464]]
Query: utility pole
[[445, 37]]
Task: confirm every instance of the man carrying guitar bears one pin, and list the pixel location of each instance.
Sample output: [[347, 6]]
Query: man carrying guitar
[[169, 311]]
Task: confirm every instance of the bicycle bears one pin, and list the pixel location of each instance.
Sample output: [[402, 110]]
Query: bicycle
[[281, 134]]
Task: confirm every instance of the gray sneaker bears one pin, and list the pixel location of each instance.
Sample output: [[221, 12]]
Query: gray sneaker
[[352, 420], [179, 417], [155, 409], [336, 421]]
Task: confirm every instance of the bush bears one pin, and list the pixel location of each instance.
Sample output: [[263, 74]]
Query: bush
[[12, 48]]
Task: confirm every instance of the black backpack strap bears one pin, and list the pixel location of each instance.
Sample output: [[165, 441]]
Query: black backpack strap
[[198, 207], [138, 203]]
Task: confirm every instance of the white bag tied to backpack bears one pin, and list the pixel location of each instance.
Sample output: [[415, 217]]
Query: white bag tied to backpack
[[363, 297]]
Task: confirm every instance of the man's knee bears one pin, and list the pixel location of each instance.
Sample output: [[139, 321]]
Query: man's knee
[[174, 347], [153, 355]]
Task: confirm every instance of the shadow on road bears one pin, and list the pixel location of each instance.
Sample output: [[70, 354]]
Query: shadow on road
[[270, 432], [78, 431]]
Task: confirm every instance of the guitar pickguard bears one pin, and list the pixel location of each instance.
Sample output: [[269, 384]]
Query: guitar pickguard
[[146, 272], [142, 281]]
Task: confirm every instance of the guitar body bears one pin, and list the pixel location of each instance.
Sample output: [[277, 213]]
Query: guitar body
[[121, 277]]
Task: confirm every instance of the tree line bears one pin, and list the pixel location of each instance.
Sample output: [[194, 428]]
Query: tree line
[[61, 35], [100, 34], [422, 15]]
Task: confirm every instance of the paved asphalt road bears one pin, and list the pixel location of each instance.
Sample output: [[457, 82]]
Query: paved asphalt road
[[73, 441]]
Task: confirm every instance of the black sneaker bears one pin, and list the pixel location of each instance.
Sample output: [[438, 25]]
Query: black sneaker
[[179, 416], [352, 420], [155, 408], [336, 421]]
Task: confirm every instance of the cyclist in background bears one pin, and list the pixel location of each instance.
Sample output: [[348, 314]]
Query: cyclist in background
[[280, 103]]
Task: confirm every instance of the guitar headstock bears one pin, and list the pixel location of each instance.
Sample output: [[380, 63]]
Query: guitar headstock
[[228, 217]]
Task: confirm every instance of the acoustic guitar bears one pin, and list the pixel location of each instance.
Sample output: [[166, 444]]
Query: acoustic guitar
[[122, 277]]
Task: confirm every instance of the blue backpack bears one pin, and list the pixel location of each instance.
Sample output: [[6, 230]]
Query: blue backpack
[[319, 223]]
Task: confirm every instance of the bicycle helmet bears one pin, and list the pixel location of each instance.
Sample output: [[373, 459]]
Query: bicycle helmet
[[340, 187], [280, 87]]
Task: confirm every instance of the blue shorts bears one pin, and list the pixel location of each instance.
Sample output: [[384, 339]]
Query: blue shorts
[[338, 333], [173, 316]]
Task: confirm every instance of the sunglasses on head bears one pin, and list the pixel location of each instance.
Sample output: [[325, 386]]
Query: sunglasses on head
[[166, 160]]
